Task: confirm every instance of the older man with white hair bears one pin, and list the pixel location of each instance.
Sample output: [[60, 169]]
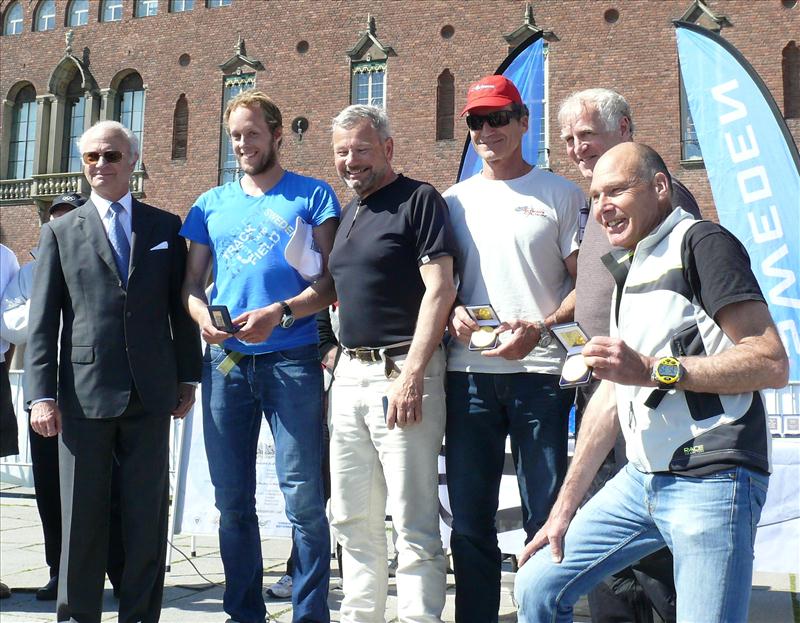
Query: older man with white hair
[[110, 274], [592, 122]]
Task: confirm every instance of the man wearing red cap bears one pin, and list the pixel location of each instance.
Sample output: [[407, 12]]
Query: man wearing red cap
[[515, 228]]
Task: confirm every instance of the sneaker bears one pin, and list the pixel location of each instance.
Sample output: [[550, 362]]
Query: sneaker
[[282, 589]]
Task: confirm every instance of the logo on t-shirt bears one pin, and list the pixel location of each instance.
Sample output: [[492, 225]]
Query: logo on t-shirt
[[530, 211], [254, 238]]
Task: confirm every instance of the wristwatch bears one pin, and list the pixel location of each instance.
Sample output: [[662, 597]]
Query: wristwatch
[[287, 320], [667, 371], [545, 337]]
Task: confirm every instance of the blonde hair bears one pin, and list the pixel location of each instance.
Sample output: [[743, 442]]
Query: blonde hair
[[256, 99]]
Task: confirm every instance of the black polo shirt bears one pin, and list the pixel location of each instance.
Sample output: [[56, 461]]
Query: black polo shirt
[[381, 242]]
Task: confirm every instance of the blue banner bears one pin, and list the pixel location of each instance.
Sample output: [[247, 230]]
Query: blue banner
[[525, 68], [753, 168]]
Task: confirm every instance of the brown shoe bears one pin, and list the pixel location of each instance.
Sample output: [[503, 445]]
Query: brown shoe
[[5, 592]]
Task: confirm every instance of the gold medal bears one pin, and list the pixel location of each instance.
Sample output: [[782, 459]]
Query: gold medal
[[574, 369], [483, 337]]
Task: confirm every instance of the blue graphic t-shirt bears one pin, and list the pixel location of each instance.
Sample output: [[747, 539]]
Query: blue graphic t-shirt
[[247, 236]]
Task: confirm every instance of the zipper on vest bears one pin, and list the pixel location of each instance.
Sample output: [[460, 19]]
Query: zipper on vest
[[631, 416]]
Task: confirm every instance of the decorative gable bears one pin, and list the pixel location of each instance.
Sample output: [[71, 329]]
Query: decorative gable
[[701, 14], [527, 30], [240, 62], [369, 47]]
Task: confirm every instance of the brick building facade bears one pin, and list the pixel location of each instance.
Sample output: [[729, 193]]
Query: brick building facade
[[304, 53]]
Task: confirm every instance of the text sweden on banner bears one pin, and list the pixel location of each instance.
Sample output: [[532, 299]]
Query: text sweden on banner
[[750, 164]]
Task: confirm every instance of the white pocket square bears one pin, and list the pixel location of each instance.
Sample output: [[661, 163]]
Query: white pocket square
[[160, 245]]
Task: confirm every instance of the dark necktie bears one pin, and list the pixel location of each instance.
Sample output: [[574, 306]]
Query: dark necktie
[[119, 243]]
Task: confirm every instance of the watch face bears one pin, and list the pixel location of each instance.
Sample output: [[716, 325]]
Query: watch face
[[668, 371], [287, 321]]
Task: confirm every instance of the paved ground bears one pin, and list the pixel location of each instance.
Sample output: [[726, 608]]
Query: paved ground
[[189, 597]]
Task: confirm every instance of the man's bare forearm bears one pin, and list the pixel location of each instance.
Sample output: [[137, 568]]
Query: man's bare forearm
[[564, 313], [599, 429]]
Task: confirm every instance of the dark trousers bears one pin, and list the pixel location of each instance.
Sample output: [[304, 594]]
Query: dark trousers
[[44, 459], [8, 419], [86, 453], [630, 595], [482, 410]]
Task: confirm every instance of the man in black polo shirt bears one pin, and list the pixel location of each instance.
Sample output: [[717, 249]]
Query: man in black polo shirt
[[392, 266]]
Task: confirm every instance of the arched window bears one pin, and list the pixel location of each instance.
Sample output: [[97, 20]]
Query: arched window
[[23, 135], [180, 128], [445, 105], [46, 15], [111, 11], [791, 81], [74, 123], [78, 13], [12, 25], [130, 106]]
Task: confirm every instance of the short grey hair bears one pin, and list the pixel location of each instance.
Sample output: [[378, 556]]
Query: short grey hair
[[355, 114], [610, 106], [116, 127]]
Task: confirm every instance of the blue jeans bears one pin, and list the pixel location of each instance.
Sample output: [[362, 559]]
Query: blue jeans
[[709, 523], [286, 387], [482, 410]]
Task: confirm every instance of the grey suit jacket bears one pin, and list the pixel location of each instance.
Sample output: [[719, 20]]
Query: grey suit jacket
[[112, 339]]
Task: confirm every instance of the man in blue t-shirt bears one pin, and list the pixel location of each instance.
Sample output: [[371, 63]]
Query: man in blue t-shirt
[[269, 362]]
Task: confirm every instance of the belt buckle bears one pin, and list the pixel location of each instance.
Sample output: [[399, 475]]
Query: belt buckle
[[365, 354]]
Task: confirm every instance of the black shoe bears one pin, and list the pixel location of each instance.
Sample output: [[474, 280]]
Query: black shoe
[[49, 591], [5, 592]]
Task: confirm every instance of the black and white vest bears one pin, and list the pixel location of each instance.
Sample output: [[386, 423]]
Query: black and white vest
[[656, 313]]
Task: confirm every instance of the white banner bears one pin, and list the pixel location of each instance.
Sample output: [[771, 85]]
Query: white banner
[[195, 512]]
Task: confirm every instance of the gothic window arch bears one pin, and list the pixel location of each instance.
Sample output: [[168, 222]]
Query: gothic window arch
[[791, 80], [180, 128], [445, 105]]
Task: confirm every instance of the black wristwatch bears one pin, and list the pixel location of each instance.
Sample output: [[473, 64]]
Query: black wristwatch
[[287, 320]]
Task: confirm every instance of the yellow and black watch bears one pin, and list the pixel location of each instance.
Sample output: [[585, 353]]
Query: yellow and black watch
[[667, 371]]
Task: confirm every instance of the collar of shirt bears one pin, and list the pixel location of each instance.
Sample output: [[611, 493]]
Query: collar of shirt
[[104, 210]]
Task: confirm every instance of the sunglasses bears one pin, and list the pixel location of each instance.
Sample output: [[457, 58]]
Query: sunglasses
[[93, 157], [495, 119]]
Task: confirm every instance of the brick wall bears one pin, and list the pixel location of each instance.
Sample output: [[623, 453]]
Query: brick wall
[[636, 55]]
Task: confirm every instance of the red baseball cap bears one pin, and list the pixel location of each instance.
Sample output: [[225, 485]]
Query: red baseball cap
[[493, 92]]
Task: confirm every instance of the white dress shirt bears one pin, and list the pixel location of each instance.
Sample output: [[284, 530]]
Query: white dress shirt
[[104, 210]]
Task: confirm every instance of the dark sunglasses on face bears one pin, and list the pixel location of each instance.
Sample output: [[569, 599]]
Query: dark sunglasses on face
[[495, 119], [93, 157]]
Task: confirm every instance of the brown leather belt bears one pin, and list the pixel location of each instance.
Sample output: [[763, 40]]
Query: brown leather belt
[[374, 354]]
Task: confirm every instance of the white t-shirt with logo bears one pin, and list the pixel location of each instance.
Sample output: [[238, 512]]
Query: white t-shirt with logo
[[512, 237]]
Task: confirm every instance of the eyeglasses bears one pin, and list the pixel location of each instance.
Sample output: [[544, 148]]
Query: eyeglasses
[[93, 157], [495, 119]]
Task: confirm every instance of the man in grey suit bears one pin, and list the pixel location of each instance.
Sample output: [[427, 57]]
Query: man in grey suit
[[111, 272]]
